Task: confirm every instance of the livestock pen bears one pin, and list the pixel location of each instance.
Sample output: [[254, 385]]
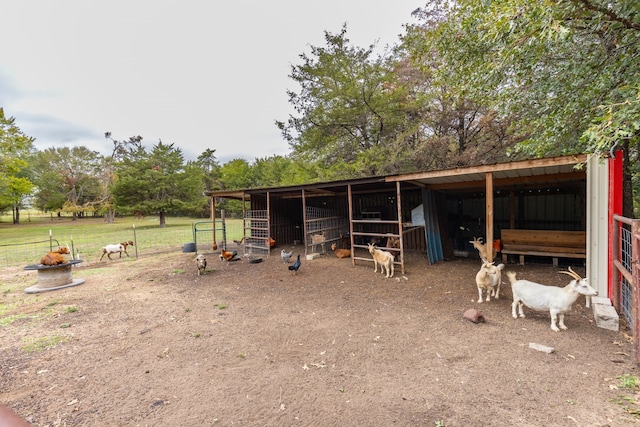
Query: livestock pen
[[24, 244]]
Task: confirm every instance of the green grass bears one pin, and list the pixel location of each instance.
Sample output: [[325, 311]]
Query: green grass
[[43, 343], [628, 381], [25, 243], [6, 321]]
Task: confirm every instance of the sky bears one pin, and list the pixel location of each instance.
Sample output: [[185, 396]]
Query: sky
[[197, 74]]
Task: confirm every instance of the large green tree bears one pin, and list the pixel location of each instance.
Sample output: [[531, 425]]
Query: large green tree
[[108, 173], [157, 181], [361, 114], [567, 70], [274, 171], [67, 180], [15, 178], [346, 111]]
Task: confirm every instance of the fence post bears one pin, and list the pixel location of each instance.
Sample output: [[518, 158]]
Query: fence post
[[224, 228], [135, 240], [635, 269], [615, 273]]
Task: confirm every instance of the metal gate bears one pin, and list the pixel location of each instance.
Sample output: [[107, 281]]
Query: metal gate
[[626, 273]]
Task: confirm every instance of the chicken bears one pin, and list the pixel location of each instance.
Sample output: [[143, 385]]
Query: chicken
[[285, 256], [295, 266], [229, 256], [239, 242]]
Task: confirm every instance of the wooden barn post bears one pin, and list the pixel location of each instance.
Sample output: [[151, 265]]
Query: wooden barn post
[[399, 208], [214, 245], [350, 202], [489, 215], [304, 222], [268, 223]]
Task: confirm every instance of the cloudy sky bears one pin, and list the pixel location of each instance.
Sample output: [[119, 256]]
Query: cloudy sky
[[195, 73]]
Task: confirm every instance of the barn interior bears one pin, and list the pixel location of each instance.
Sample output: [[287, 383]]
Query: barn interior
[[437, 212]]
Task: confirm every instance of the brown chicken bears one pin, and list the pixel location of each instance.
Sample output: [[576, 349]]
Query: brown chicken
[[229, 256]]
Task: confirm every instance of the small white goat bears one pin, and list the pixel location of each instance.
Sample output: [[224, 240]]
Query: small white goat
[[201, 263], [489, 277], [482, 249], [540, 297], [318, 239], [384, 258], [112, 249]]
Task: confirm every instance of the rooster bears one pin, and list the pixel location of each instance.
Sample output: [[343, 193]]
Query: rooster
[[295, 266], [229, 256], [286, 256]]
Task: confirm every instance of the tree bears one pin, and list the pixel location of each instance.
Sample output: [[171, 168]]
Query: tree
[[362, 115], [108, 176], [236, 174], [346, 108], [567, 71], [280, 170], [157, 181], [210, 170], [68, 179], [15, 181]]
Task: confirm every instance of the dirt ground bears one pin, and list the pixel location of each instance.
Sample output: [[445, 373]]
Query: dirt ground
[[148, 342]]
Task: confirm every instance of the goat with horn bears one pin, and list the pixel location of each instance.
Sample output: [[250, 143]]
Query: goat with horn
[[557, 301]]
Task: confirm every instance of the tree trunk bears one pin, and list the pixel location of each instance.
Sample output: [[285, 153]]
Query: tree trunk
[[163, 221], [108, 216]]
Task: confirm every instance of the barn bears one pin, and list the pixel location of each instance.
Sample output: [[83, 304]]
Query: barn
[[549, 210]]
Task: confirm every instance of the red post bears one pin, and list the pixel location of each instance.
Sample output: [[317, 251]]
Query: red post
[[615, 208]]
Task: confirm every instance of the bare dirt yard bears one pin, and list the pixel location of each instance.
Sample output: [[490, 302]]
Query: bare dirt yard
[[148, 342]]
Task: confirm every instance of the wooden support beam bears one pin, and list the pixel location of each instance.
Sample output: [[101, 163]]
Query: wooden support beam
[[489, 215]]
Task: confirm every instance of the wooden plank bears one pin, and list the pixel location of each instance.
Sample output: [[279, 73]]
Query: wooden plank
[[544, 237], [549, 254], [542, 248]]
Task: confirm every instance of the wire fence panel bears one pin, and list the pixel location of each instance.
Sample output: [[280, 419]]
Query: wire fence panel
[[87, 246], [626, 294], [25, 253]]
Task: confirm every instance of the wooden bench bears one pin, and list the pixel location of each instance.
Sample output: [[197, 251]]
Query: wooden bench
[[552, 243]]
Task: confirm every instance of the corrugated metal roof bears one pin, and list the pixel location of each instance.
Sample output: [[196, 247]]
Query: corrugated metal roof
[[535, 171]]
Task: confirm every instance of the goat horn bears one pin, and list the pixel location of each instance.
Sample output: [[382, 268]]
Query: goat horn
[[572, 274]]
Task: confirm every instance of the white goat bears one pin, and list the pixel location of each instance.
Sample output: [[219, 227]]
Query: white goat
[[540, 297], [482, 249], [112, 249], [201, 263], [384, 258], [489, 277]]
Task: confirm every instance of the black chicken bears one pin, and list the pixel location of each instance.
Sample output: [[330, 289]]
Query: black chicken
[[295, 266]]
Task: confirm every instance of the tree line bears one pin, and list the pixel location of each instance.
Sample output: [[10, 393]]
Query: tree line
[[471, 82]]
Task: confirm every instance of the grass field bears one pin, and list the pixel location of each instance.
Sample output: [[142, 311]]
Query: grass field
[[25, 243]]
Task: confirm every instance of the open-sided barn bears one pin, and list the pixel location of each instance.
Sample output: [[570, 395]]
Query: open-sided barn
[[439, 212], [564, 209]]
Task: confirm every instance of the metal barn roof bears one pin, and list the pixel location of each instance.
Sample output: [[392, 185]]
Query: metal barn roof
[[542, 171]]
